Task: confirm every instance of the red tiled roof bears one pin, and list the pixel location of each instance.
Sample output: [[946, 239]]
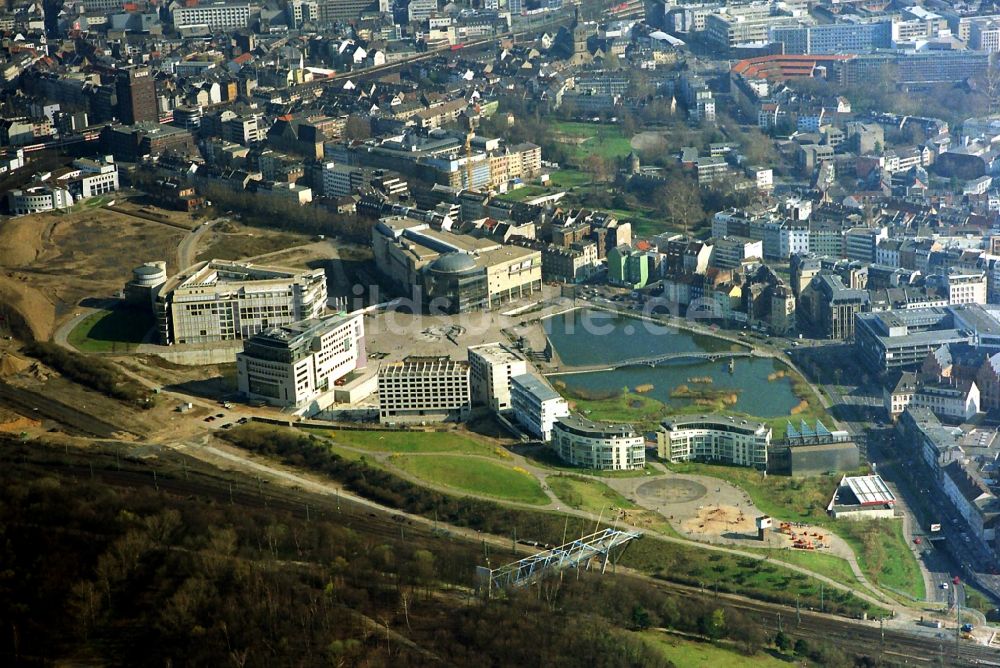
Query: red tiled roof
[[782, 67]]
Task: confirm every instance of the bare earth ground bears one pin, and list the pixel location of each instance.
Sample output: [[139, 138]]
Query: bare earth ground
[[648, 141], [50, 262], [229, 240]]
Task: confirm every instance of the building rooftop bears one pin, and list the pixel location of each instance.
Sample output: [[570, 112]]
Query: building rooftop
[[583, 426], [869, 490], [286, 335], [536, 386], [721, 421], [496, 353], [223, 272], [416, 365]]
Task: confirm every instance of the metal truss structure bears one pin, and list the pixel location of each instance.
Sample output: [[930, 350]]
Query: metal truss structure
[[571, 555]]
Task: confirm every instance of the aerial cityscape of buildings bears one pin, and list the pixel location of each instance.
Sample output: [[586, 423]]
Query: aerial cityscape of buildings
[[805, 194]]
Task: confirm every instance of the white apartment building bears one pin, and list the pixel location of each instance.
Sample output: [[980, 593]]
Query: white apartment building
[[298, 365], [965, 287], [37, 199], [536, 406], [242, 129], [91, 178], [492, 365], [424, 389], [956, 402], [715, 439], [221, 301], [216, 15], [793, 239], [337, 180], [595, 445]]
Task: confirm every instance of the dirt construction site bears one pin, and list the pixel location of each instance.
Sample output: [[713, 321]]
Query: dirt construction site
[[49, 263], [55, 266]]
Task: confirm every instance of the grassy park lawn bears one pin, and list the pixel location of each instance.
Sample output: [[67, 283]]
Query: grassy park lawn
[[831, 566], [106, 331], [583, 139], [405, 442], [883, 554], [584, 494], [569, 178], [476, 476], [717, 571], [525, 193], [880, 546], [694, 654]]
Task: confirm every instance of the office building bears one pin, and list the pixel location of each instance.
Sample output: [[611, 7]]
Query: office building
[[453, 273], [861, 243], [730, 252], [333, 11], [902, 339], [963, 287], [492, 366], [536, 405], [984, 35], [834, 38], [130, 143], [91, 178], [216, 15], [713, 438], [829, 307], [223, 301], [35, 199], [596, 445], [135, 89], [748, 24], [295, 365], [424, 389]]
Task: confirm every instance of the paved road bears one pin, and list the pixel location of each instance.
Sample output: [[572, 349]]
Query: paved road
[[187, 249], [61, 336]]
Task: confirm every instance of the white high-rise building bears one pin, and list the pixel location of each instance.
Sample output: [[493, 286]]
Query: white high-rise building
[[492, 365], [597, 445], [222, 301], [714, 439], [299, 364], [536, 405]]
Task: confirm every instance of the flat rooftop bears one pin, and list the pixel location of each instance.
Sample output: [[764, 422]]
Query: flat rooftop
[[497, 353], [536, 386], [869, 490], [583, 426]]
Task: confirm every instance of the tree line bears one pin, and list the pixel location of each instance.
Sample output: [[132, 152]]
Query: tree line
[[97, 374], [677, 563]]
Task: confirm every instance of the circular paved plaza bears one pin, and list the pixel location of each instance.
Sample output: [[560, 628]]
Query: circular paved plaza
[[671, 490]]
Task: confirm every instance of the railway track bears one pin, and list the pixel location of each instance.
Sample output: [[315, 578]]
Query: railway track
[[856, 637], [76, 422]]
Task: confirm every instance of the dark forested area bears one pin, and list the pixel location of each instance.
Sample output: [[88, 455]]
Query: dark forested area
[[94, 572], [673, 562]]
